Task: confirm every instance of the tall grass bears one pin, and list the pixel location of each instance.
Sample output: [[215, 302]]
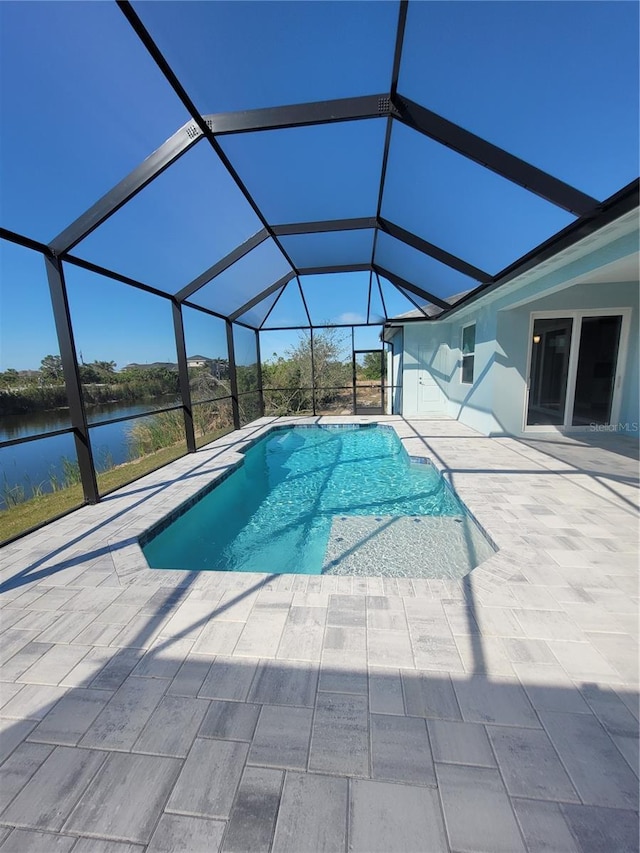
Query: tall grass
[[167, 428], [56, 481], [146, 437], [153, 433]]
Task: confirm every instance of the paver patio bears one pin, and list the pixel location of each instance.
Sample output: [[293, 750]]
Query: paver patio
[[161, 711]]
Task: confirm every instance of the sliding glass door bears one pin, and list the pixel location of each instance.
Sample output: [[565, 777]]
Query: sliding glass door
[[574, 369], [550, 348], [595, 376]]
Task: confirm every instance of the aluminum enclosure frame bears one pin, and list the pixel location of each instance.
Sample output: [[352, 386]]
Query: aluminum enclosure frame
[[391, 106]]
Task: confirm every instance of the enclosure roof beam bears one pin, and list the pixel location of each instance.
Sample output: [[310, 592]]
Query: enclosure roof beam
[[269, 312], [617, 205], [395, 73], [325, 225], [490, 156], [433, 251], [384, 304], [158, 57], [406, 295], [213, 313], [116, 276], [26, 242], [393, 230], [412, 288], [223, 264], [304, 301], [177, 145], [335, 268], [298, 115], [261, 295]]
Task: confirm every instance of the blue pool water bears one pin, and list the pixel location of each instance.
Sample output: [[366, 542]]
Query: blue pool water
[[275, 512]]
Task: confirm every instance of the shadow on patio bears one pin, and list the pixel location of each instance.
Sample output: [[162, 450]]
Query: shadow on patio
[[188, 737]]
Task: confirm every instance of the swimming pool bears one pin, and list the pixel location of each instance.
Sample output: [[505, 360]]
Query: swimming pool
[[322, 499]]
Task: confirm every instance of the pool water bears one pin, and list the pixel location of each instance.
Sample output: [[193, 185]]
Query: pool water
[[276, 512]]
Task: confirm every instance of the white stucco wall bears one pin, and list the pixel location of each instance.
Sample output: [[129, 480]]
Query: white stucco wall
[[494, 403], [513, 339]]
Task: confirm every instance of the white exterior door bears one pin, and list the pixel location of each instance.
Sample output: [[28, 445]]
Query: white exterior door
[[430, 396]]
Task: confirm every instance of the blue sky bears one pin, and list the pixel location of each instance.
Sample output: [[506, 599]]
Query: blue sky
[[553, 82]]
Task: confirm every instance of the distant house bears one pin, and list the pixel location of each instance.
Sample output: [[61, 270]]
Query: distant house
[[198, 361]]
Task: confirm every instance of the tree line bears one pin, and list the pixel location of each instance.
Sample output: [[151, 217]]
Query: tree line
[[288, 379]]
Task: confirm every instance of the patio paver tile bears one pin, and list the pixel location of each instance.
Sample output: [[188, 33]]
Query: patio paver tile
[[12, 733], [229, 720], [190, 677], [618, 650], [163, 659], [253, 816], [598, 772], [54, 665], [385, 691], [18, 663], [390, 648], [313, 814], [529, 764], [124, 717], [66, 628], [342, 678], [116, 670], [281, 683], [16, 770], [179, 832], [218, 638], [460, 743], [598, 829], [477, 811], [544, 827], [47, 799], [228, 678], [340, 735], [385, 817], [282, 737], [302, 634], [125, 798], [436, 652], [33, 702], [583, 661], [499, 700], [172, 727], [30, 841], [400, 750], [429, 694], [261, 634], [207, 783], [70, 718]]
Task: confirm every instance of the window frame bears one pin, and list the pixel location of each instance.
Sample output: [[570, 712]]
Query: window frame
[[465, 357]]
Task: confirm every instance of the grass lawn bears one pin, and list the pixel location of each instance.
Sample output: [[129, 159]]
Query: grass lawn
[[31, 513]]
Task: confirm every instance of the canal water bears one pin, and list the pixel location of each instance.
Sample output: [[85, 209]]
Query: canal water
[[32, 466]]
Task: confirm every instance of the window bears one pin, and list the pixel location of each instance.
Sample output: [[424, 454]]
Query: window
[[468, 352]]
